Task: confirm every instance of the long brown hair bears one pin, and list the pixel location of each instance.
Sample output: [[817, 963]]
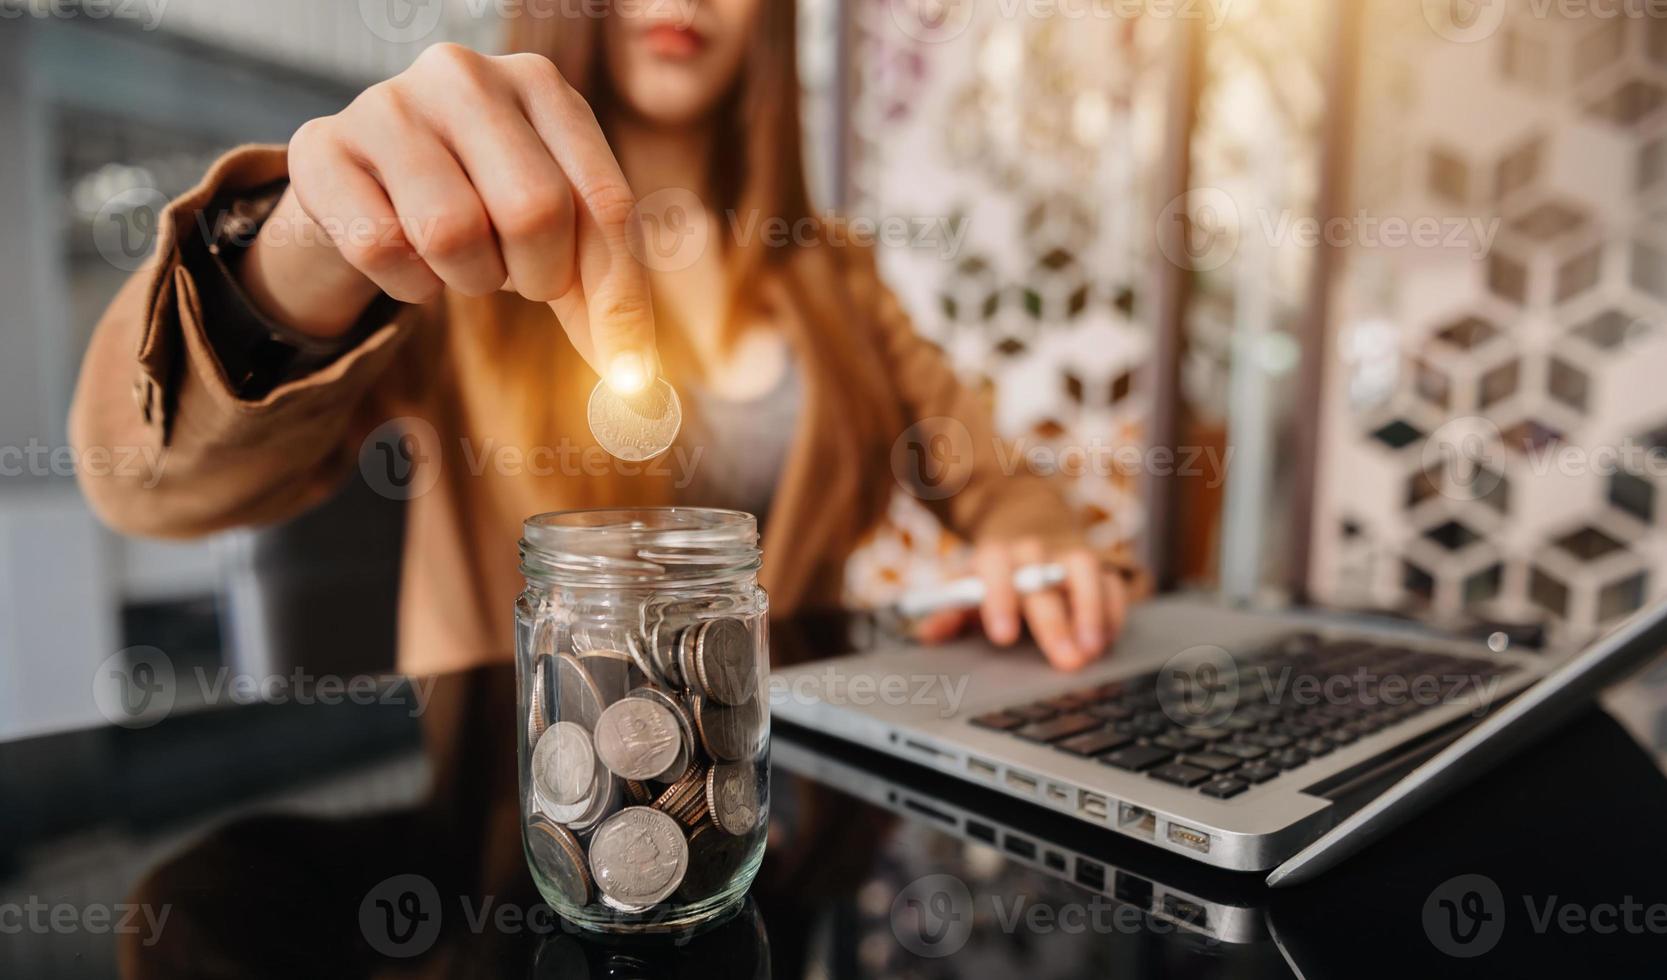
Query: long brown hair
[[757, 171]]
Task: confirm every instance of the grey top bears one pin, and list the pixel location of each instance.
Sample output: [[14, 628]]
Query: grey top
[[743, 445]]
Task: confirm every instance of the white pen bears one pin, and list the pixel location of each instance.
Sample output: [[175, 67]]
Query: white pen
[[965, 593]]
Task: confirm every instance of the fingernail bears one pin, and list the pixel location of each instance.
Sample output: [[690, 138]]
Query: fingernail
[[1090, 641], [628, 373]]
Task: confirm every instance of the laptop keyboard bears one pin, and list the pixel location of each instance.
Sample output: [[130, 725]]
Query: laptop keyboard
[[1297, 700]]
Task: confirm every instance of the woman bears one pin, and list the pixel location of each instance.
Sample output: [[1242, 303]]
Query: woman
[[458, 250]]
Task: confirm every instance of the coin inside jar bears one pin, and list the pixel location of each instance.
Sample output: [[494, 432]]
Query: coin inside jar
[[558, 855], [638, 738], [636, 426], [610, 669], [564, 764], [724, 661], [714, 857], [638, 856], [732, 797], [577, 696], [729, 734]]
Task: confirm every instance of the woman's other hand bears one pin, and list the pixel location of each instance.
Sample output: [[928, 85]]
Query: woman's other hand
[[1074, 624]]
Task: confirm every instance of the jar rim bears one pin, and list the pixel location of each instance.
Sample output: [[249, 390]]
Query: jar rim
[[624, 545]]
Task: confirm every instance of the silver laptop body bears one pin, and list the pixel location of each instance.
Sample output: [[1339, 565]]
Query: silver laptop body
[[919, 704]]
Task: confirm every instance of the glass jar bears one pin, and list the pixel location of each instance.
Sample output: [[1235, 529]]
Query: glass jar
[[642, 655]]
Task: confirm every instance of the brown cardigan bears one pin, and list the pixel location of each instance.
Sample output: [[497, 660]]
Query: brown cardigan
[[151, 380]]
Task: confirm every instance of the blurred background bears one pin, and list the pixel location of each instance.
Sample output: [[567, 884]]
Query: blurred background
[[1384, 281]]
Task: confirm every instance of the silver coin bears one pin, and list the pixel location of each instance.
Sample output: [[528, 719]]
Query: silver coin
[[638, 426], [618, 906], [725, 662], [611, 670], [729, 734], [664, 645], [577, 696], [686, 659], [638, 856], [603, 802], [564, 764], [640, 655], [638, 738], [557, 854], [732, 797], [715, 858], [571, 813], [538, 705]]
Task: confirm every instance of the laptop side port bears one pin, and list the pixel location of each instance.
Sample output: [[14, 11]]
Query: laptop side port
[[1091, 874], [1136, 820], [1187, 837], [1022, 781], [1135, 891], [981, 768], [1091, 805], [1184, 910]]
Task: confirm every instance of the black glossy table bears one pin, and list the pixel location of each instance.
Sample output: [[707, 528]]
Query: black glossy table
[[312, 840]]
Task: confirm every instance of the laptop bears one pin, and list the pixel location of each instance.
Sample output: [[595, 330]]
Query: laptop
[[1188, 897], [1248, 740]]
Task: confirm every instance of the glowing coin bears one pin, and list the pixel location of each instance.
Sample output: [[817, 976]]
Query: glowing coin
[[638, 426]]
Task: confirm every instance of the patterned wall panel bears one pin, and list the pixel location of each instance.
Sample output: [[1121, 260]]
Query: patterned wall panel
[[1030, 143], [1497, 426]]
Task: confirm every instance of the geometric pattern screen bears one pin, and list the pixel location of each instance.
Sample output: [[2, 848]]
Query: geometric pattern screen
[[1496, 414], [1023, 149]]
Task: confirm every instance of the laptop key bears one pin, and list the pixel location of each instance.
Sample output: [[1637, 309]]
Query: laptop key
[[1178, 741], [1001, 721], [1213, 761], [1241, 750], [1180, 774], [1256, 772], [1093, 743], [1224, 787], [1317, 746], [1055, 729], [1110, 712], [1136, 758], [1033, 712], [1288, 758]]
